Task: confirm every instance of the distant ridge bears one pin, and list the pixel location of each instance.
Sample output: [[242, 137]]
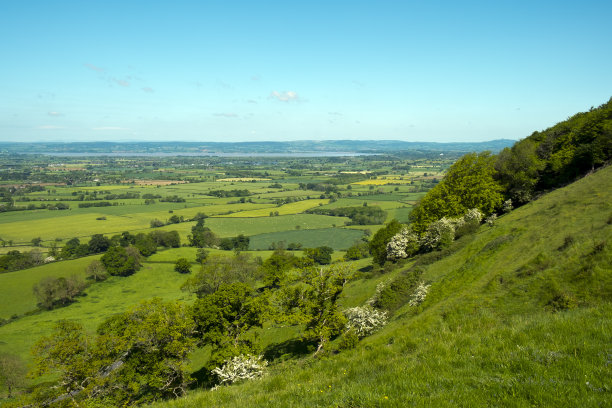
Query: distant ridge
[[301, 146]]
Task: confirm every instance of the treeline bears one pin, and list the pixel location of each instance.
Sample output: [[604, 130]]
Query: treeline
[[133, 359], [365, 215], [229, 193]]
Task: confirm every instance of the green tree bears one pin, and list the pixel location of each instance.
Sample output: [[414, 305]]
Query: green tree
[[469, 183], [378, 244], [118, 261], [12, 373], [53, 292], [320, 255], [518, 170], [36, 241], [224, 317], [182, 265], [98, 243], [219, 270], [275, 268], [315, 302], [96, 271]]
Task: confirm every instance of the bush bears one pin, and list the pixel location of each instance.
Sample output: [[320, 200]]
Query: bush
[[419, 294], [403, 245], [54, 292], [439, 234], [182, 265], [365, 320], [240, 368], [399, 291], [120, 261], [96, 271]]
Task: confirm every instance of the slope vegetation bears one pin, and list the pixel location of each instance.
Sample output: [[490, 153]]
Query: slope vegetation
[[517, 314]]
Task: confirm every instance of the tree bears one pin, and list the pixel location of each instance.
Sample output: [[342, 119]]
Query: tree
[[276, 267], [145, 244], [182, 265], [96, 271], [468, 184], [224, 317], [219, 270], [320, 255], [98, 243], [137, 357], [315, 303], [378, 244], [36, 241], [201, 236], [12, 372], [402, 245], [119, 262], [52, 292], [518, 170]]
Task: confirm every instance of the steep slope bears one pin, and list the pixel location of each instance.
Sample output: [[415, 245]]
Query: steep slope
[[517, 314]]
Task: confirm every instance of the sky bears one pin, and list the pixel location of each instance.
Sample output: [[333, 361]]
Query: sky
[[439, 71]]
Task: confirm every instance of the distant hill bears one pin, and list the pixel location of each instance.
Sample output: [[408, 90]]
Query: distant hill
[[301, 146]]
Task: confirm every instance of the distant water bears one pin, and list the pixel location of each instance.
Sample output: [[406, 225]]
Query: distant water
[[188, 154]]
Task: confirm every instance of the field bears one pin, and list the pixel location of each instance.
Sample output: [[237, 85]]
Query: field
[[267, 202]]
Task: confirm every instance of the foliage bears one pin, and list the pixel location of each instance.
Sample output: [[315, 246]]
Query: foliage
[[12, 373], [359, 250], [218, 270], [320, 255], [419, 294], [182, 265], [201, 236], [239, 243], [240, 368], [98, 243], [439, 234], [15, 260], [315, 303], [138, 356], [468, 184], [403, 245], [275, 268], [398, 292], [96, 271], [224, 317], [378, 244], [118, 261], [53, 292], [365, 320], [370, 215]]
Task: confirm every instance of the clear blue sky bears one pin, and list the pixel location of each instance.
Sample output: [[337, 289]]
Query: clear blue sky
[[288, 70]]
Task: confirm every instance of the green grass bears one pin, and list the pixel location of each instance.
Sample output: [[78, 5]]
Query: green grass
[[336, 238], [101, 300], [489, 332], [17, 295]]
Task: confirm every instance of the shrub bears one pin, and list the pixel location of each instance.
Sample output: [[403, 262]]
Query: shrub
[[240, 368], [365, 320], [439, 234], [403, 245], [419, 294], [182, 265]]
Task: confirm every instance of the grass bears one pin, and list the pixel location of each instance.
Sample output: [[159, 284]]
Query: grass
[[336, 238], [489, 332], [291, 208], [101, 300], [17, 295]]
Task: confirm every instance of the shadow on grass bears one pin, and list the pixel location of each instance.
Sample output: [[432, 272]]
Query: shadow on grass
[[288, 349]]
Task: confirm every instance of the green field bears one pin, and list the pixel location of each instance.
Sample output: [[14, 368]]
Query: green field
[[336, 238]]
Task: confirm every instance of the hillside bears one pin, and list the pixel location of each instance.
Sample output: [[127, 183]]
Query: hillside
[[517, 314]]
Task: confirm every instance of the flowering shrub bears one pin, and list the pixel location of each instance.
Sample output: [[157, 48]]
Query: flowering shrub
[[379, 288], [473, 215], [439, 234], [365, 320], [419, 294], [507, 206], [470, 222], [491, 220], [242, 367], [403, 245]]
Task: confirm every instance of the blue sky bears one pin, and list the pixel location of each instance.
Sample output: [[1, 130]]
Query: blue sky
[[283, 70]]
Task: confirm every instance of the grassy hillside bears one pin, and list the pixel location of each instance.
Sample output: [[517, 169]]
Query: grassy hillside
[[517, 314]]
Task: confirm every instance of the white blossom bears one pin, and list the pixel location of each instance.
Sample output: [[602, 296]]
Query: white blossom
[[403, 245], [419, 294], [507, 206], [491, 220], [379, 288], [439, 233], [473, 215], [242, 367], [365, 320]]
